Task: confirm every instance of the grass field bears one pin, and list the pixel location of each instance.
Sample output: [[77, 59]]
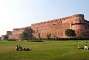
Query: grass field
[[47, 50]]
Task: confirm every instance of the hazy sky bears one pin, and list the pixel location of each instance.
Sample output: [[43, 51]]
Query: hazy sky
[[21, 13]]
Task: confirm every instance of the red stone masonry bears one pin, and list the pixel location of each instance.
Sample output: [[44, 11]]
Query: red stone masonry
[[56, 28]]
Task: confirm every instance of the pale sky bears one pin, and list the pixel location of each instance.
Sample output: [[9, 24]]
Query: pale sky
[[21, 13]]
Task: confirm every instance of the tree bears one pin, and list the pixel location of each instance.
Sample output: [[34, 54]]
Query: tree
[[39, 35], [48, 36], [27, 34], [70, 33]]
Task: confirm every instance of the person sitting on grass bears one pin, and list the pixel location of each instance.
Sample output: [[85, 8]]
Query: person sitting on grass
[[86, 47], [19, 48], [27, 49]]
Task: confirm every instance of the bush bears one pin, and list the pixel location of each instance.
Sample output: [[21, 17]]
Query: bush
[[37, 41]]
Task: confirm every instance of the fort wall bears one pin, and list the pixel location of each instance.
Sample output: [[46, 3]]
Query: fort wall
[[56, 28]]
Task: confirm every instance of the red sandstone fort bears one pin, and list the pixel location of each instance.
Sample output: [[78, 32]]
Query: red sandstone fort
[[56, 28]]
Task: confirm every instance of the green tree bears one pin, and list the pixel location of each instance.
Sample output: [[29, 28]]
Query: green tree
[[70, 33], [39, 36], [48, 36], [27, 34]]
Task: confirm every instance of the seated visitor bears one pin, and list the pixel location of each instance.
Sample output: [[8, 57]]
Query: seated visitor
[[85, 47]]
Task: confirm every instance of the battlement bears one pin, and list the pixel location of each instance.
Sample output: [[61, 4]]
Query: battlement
[[79, 15], [60, 20]]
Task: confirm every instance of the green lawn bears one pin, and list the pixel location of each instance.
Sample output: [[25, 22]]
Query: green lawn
[[47, 50]]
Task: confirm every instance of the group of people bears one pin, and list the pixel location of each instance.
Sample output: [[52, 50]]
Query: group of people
[[85, 47], [20, 48]]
